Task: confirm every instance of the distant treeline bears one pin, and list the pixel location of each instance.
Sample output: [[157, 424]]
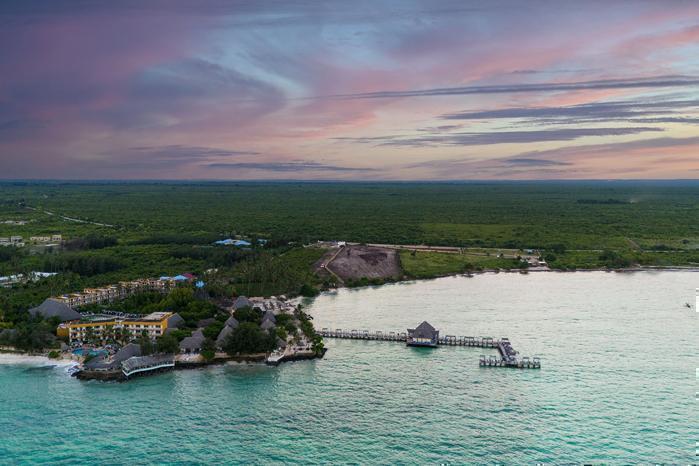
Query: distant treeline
[[602, 201], [178, 238], [91, 241], [8, 252], [583, 215], [81, 264]]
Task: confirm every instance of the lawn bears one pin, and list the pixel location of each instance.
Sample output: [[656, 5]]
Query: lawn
[[435, 264]]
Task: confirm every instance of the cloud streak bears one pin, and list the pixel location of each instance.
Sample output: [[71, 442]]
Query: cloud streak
[[672, 111], [179, 151], [500, 137], [527, 162], [630, 83], [628, 159], [286, 167]]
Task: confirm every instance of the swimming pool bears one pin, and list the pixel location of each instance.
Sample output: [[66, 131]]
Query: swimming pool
[[92, 352]]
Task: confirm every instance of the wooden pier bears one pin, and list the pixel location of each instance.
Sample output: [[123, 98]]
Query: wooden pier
[[508, 355], [508, 358]]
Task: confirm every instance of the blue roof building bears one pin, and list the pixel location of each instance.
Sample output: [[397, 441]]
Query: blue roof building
[[225, 242], [233, 242]]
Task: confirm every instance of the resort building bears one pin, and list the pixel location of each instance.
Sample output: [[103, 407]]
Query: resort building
[[15, 222], [423, 335], [192, 345], [8, 281], [46, 239], [12, 241], [226, 331], [54, 308], [241, 302], [223, 336], [233, 242], [273, 304], [267, 324], [269, 315], [127, 362], [175, 321], [147, 364], [103, 363], [115, 292], [104, 327], [268, 321]]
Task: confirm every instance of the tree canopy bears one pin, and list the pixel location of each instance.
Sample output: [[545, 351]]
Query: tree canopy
[[249, 338]]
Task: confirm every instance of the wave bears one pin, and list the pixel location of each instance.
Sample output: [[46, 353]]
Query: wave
[[29, 360]]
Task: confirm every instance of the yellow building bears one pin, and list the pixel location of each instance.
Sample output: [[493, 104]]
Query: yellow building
[[101, 328]]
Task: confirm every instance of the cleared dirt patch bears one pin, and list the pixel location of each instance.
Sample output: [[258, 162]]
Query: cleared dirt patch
[[355, 262]]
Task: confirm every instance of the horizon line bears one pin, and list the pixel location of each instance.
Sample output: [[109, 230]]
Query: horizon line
[[293, 180]]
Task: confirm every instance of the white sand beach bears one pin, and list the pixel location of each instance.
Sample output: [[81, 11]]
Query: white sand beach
[[31, 360]]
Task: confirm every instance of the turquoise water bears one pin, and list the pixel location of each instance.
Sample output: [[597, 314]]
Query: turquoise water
[[92, 352], [618, 383]]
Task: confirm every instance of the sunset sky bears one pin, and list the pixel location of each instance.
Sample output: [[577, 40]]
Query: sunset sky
[[350, 90]]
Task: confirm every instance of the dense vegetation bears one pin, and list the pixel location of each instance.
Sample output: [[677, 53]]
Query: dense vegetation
[[433, 264], [249, 338], [581, 215], [30, 334]]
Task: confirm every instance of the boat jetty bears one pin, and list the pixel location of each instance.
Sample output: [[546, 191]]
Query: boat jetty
[[427, 336]]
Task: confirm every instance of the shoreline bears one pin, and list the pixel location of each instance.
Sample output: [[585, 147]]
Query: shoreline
[[18, 358], [10, 356], [676, 268], [250, 359], [407, 279]]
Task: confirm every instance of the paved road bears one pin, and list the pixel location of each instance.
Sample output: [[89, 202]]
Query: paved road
[[71, 219], [445, 249]]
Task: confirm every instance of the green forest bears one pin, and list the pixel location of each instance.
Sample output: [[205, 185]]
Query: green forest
[[580, 215]]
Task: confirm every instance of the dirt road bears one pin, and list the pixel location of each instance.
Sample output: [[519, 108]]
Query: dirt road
[[353, 262]]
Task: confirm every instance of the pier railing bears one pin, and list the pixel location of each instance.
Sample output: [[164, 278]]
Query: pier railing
[[448, 340], [139, 364], [508, 355]]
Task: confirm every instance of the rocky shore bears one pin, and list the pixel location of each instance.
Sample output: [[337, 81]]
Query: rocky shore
[[118, 376]]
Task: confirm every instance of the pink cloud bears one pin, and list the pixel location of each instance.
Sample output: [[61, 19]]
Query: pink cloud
[[78, 83]]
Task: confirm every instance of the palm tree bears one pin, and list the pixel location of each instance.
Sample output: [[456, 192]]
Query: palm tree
[[318, 344], [126, 336], [89, 335], [117, 334], [108, 335]]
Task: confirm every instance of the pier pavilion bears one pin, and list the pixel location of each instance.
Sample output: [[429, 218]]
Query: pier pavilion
[[423, 335]]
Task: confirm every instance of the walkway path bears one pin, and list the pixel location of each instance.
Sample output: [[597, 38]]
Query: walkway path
[[326, 265], [70, 219]]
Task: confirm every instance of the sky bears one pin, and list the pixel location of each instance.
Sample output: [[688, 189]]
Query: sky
[[340, 90]]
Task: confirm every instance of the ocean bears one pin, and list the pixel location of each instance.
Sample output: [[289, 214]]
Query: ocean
[[618, 385]]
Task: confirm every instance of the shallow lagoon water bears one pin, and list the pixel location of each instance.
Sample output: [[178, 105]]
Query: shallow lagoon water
[[618, 383]]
